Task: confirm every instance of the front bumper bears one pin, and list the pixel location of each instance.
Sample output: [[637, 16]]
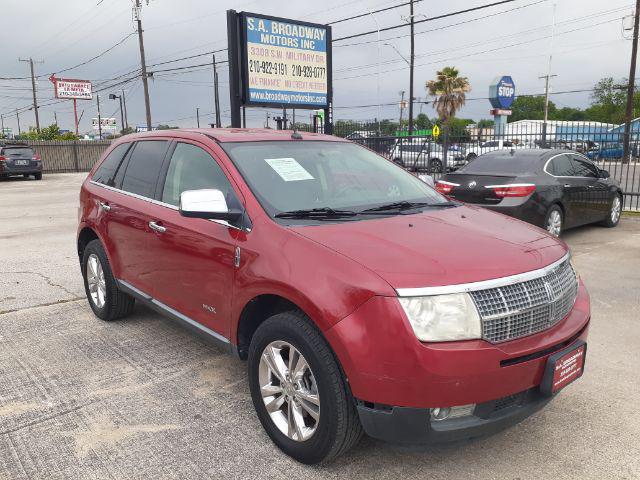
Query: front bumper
[[386, 364], [414, 425]]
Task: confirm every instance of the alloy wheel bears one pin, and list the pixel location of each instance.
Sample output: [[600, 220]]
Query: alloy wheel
[[96, 281], [615, 210], [554, 223], [289, 390]]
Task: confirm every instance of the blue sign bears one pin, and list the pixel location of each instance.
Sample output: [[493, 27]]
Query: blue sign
[[502, 92], [286, 62]]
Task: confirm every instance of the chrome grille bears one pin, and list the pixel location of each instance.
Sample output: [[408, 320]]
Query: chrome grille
[[521, 309]]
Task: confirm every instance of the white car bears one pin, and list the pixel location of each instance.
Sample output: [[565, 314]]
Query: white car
[[472, 151], [426, 156]]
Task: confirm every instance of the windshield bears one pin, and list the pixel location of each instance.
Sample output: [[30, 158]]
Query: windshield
[[288, 176]]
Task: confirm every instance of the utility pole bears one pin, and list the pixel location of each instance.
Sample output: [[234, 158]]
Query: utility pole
[[216, 93], [412, 58], [124, 104], [198, 116], [401, 108], [99, 118], [2, 120], [143, 63], [18, 118], [55, 117], [33, 88], [631, 85], [547, 77]]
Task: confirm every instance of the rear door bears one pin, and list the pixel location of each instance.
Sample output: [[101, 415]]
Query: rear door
[[574, 189], [129, 211], [193, 258]]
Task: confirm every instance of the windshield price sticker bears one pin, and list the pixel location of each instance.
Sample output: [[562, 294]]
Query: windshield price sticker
[[286, 62], [288, 169]]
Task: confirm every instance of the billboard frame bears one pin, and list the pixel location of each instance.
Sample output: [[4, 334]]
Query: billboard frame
[[239, 74]]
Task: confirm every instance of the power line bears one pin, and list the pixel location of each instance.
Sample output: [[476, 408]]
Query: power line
[[430, 19], [371, 13]]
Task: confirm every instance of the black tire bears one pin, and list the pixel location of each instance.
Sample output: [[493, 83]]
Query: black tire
[[435, 166], [339, 427], [610, 222], [471, 156], [398, 161], [117, 303], [553, 211], [38, 176], [25, 175]]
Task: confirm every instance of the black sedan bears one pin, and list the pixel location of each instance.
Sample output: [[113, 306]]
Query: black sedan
[[554, 189]]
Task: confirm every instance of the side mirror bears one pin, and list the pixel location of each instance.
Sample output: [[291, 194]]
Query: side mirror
[[207, 203], [604, 174]]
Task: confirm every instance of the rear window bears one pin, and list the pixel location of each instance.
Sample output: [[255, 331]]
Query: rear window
[[501, 164], [144, 167], [17, 151], [108, 168]]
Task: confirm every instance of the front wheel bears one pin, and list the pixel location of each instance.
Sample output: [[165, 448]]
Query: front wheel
[[613, 217], [554, 221], [299, 392]]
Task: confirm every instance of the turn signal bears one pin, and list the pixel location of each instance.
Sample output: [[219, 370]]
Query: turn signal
[[513, 190]]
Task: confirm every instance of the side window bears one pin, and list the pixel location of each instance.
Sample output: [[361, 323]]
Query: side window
[[507, 143], [144, 167], [108, 168], [192, 168], [561, 166], [584, 168]]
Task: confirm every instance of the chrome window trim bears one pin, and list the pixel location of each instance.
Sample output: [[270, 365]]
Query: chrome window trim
[[482, 285], [544, 169], [176, 313], [162, 204]]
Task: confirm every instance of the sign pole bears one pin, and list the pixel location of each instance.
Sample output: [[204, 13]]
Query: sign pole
[[234, 68], [75, 113]]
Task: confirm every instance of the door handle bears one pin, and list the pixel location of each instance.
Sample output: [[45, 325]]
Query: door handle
[[104, 206], [157, 228], [590, 186], [567, 185]]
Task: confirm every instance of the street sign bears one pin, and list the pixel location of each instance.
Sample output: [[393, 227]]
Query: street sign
[[435, 131], [285, 62], [502, 92], [500, 111], [415, 133], [70, 88]]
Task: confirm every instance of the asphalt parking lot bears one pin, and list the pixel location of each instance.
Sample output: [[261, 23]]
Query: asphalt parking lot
[[143, 398]]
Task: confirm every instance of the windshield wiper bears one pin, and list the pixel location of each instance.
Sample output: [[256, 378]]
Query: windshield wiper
[[402, 205], [323, 212]]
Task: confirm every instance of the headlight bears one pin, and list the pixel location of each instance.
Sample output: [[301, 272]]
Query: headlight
[[443, 318]]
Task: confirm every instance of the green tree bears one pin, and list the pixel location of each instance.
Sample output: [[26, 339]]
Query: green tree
[[485, 123], [530, 108], [422, 122]]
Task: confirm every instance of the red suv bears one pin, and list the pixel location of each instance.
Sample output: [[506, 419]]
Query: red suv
[[362, 299]]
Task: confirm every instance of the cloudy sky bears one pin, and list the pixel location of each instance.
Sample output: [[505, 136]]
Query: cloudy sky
[[513, 39]]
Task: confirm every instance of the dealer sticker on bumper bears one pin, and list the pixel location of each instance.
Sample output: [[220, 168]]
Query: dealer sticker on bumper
[[563, 368]]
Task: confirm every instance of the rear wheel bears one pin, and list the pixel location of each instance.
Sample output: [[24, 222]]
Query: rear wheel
[[554, 221], [435, 166], [105, 299], [471, 156], [613, 218], [299, 392], [38, 176]]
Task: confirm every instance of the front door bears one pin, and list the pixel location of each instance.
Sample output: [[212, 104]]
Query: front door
[[597, 189], [194, 258]]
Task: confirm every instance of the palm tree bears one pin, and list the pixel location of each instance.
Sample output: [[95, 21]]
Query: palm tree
[[449, 92]]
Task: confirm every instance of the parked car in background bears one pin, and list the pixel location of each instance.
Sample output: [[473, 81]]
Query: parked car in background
[[610, 151], [426, 156], [473, 151], [362, 299], [554, 189], [19, 159]]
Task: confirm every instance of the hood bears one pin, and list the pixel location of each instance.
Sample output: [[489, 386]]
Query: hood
[[440, 247]]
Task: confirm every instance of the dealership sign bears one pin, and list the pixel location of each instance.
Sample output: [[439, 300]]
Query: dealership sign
[[285, 62], [68, 88], [502, 92]]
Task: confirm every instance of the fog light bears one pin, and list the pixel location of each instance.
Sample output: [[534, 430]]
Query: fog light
[[443, 413]]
